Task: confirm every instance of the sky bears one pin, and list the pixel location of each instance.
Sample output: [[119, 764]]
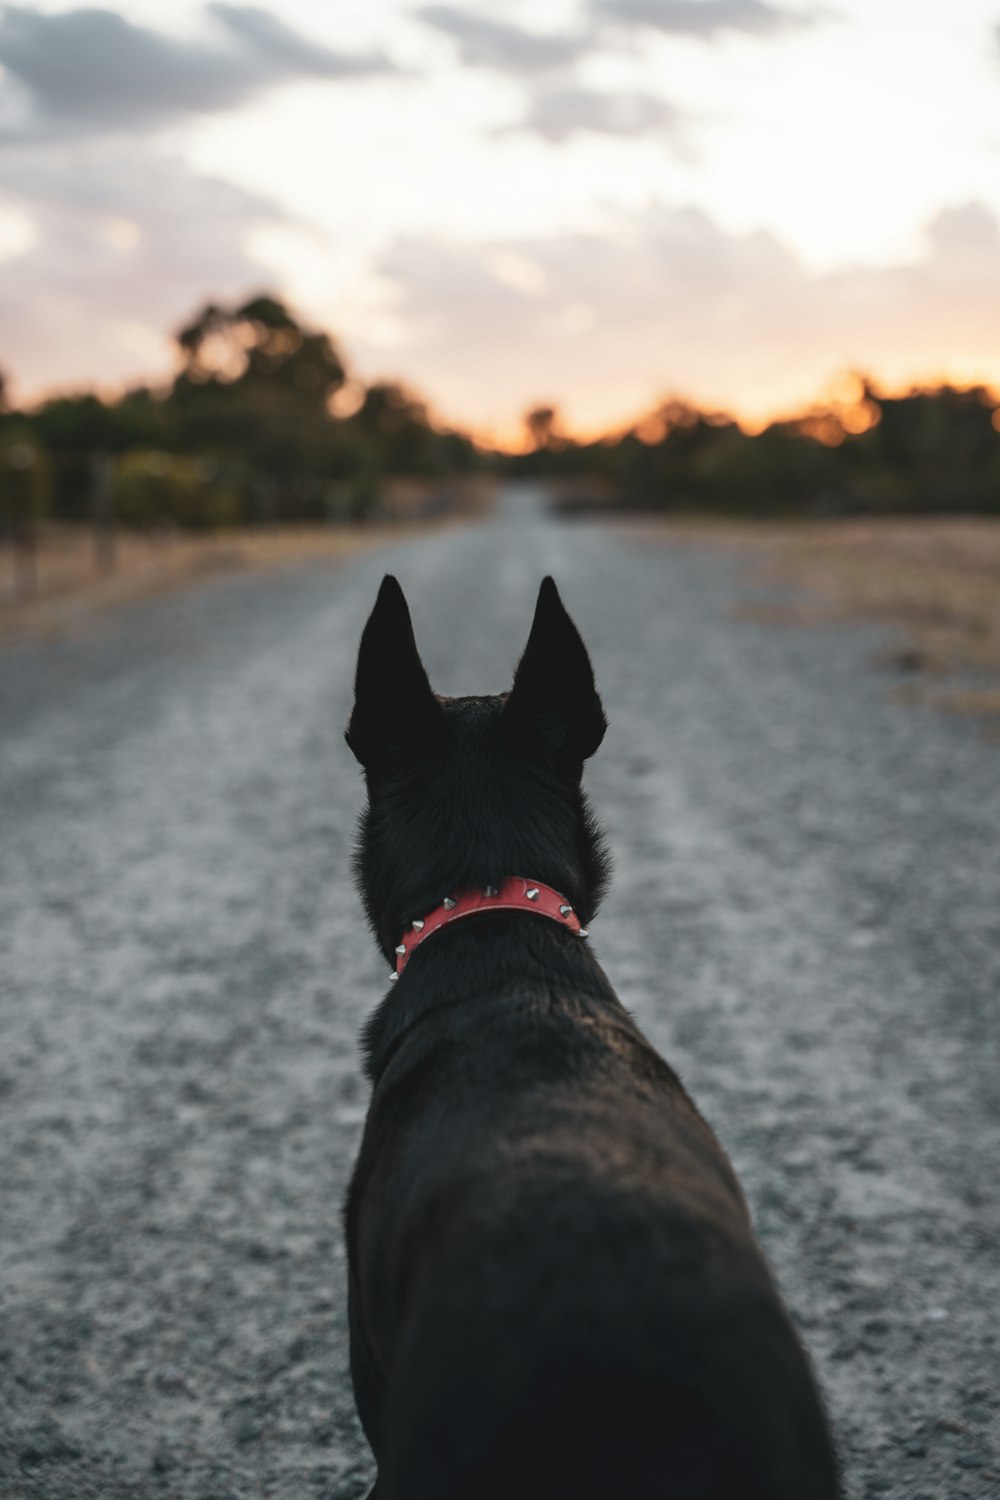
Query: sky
[[590, 203]]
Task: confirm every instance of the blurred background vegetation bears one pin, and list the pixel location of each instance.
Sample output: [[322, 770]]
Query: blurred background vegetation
[[933, 451], [263, 426]]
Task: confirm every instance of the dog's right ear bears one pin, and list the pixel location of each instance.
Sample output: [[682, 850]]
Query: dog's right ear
[[553, 711], [396, 717]]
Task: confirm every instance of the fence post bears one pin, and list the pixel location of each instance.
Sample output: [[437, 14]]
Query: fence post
[[103, 511], [24, 520]]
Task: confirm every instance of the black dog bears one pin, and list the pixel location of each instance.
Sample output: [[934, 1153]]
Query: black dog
[[555, 1292]]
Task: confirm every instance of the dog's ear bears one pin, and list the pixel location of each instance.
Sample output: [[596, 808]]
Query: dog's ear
[[553, 711], [396, 717]]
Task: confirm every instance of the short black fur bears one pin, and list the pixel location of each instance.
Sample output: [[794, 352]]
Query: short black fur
[[554, 1287]]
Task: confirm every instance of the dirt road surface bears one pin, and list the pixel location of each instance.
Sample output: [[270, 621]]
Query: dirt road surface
[[805, 917]]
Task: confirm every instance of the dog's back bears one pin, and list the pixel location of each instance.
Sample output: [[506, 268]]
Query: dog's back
[[555, 1290]]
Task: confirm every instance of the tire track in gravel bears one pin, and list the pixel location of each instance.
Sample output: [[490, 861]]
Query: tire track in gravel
[[804, 917]]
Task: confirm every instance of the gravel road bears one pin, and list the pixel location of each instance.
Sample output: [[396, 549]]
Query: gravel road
[[805, 918]]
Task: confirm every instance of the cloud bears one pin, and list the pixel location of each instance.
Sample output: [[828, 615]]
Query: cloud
[[483, 42], [559, 113], [123, 246], [672, 303], [289, 52], [558, 108], [496, 44], [92, 70], [700, 18]]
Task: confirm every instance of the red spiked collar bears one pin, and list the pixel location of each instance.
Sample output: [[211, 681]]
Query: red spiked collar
[[513, 894]]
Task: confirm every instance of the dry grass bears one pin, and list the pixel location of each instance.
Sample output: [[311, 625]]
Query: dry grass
[[937, 579], [71, 584]]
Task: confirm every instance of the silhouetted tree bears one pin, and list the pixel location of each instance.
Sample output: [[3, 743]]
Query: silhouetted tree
[[930, 450], [397, 425], [540, 422], [260, 345], [255, 390]]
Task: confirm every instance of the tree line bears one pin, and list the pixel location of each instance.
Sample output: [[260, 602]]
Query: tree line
[[261, 424], [927, 451]]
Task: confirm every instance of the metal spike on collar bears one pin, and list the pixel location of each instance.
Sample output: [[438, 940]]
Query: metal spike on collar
[[393, 976], [533, 894], [491, 890], [418, 925], [564, 911], [400, 949], [449, 903], [584, 932]]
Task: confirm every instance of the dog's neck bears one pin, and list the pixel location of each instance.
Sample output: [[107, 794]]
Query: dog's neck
[[513, 894], [503, 956]]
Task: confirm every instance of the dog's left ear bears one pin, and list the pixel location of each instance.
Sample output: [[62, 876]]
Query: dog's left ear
[[553, 710], [396, 718]]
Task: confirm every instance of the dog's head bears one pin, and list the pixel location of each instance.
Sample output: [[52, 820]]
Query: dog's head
[[463, 792]]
